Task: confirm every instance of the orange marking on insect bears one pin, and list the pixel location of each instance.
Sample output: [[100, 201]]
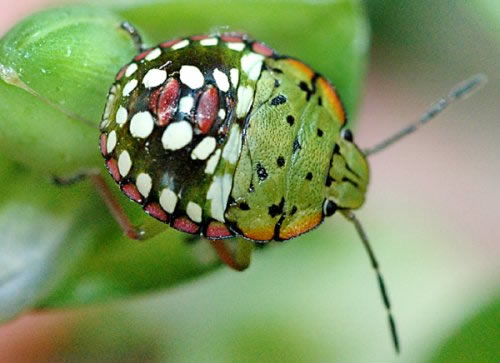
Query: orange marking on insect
[[260, 234], [301, 67], [300, 226], [332, 98]]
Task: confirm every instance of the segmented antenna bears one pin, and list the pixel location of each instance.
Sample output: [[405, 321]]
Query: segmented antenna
[[460, 91], [383, 291]]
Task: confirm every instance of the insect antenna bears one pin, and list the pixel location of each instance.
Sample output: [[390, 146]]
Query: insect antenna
[[383, 291], [460, 91]]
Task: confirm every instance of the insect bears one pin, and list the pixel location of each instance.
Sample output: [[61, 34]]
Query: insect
[[220, 136]]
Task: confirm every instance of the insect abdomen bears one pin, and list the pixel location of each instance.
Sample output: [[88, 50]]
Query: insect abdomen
[[172, 128]]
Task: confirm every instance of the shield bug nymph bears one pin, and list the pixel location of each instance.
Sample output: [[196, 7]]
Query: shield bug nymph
[[218, 135]]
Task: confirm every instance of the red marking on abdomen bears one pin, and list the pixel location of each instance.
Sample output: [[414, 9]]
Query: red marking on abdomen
[[200, 37], [207, 109], [232, 37], [102, 144], [142, 55], [112, 165], [121, 73], [170, 43], [262, 49], [163, 102], [155, 210], [218, 230], [184, 224], [131, 191]]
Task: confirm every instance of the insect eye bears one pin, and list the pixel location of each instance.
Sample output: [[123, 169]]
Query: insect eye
[[329, 208], [346, 134]]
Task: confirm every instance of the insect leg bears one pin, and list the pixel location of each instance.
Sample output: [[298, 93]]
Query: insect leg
[[383, 291], [239, 259], [117, 212], [134, 33], [74, 178]]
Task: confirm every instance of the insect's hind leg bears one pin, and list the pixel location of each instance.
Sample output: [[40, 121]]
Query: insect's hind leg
[[134, 34], [148, 230], [238, 257]]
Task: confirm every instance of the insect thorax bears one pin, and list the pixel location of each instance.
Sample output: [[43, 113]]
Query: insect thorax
[[219, 135]]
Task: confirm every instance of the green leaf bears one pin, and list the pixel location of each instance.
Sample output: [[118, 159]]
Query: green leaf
[[475, 341], [57, 67], [489, 11], [60, 246]]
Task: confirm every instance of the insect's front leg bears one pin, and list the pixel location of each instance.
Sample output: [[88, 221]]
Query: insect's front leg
[[134, 34], [235, 253], [71, 179]]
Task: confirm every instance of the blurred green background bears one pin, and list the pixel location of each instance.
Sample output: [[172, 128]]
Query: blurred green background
[[432, 216]]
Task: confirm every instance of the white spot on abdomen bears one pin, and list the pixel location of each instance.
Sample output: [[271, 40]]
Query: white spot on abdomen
[[194, 212], [111, 143], [177, 135], [232, 149], [180, 45], [251, 64], [141, 125], [213, 162], [234, 73], [192, 77], [221, 80], [131, 69], [168, 200], [218, 194], [222, 114], [124, 163], [121, 116], [186, 104], [155, 53], [144, 184], [237, 46], [209, 42], [129, 87], [110, 103], [204, 148], [245, 100], [154, 78]]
